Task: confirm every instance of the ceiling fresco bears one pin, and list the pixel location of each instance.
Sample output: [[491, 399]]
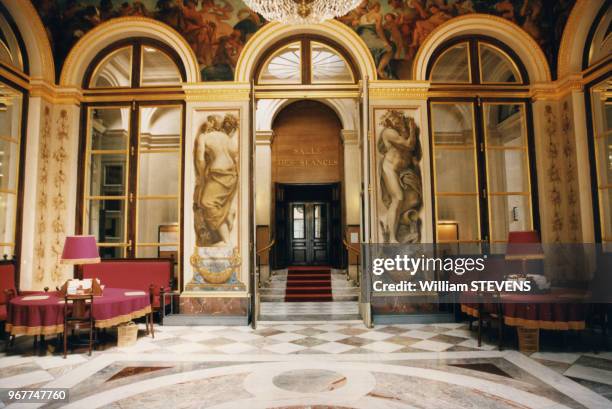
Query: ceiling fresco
[[217, 30]]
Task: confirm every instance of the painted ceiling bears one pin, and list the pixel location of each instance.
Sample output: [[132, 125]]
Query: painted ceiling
[[217, 30]]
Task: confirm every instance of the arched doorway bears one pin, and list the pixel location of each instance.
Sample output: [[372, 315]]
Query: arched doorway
[[306, 132], [307, 174]]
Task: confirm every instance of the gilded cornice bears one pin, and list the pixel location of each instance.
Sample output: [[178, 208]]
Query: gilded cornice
[[55, 95], [557, 90], [391, 90], [218, 91]]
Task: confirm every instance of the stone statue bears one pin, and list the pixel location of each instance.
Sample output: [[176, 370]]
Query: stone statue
[[216, 165], [400, 177]]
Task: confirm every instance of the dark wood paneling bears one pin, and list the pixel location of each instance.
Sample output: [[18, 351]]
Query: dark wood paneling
[[262, 238], [307, 147]]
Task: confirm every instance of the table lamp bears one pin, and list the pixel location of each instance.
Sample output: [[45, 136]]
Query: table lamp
[[80, 250], [524, 245]]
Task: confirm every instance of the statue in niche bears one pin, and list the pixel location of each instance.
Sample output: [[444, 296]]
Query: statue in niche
[[216, 165], [400, 177]]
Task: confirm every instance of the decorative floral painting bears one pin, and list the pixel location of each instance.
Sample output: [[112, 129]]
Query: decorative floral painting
[[217, 30]]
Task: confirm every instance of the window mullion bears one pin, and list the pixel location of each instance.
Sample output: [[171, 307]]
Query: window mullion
[[481, 165], [132, 187], [306, 62]]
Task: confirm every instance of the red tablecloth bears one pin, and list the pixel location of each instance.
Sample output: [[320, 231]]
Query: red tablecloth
[[559, 309], [46, 316]]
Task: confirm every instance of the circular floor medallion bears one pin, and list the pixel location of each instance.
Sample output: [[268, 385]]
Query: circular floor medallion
[[309, 380]]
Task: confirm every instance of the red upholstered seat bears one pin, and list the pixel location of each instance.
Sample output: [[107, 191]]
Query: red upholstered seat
[[137, 274], [3, 312], [7, 282]]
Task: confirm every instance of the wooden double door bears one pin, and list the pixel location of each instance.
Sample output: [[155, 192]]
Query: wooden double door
[[308, 233], [308, 225]]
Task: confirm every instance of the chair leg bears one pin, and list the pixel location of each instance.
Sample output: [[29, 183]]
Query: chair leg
[[65, 336], [152, 326], [90, 339], [500, 334], [479, 330]]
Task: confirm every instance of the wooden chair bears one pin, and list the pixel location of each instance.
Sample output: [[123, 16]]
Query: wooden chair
[[78, 314]]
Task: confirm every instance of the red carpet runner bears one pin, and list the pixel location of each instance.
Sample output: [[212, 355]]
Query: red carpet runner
[[308, 284]]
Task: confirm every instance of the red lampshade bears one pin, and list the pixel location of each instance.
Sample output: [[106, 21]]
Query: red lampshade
[[80, 250], [524, 245]]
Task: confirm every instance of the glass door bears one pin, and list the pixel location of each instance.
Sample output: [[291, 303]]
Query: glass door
[[159, 180], [456, 178], [481, 173], [133, 178], [107, 168], [507, 166]]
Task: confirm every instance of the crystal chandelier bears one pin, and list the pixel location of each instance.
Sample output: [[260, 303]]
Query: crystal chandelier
[[301, 11]]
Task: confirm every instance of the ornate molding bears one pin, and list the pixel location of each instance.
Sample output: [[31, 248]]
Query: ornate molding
[[225, 91], [398, 90], [42, 203], [570, 173], [60, 156], [569, 37], [264, 137], [349, 137], [553, 173]]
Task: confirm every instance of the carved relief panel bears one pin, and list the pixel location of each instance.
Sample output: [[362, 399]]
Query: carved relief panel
[[397, 148]]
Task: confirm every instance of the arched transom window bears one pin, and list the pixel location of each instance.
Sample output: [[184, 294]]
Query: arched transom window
[[476, 61], [135, 64], [306, 61]]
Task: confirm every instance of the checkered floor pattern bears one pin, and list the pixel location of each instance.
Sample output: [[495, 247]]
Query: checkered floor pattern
[[331, 338]]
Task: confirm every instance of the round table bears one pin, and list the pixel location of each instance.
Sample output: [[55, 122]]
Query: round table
[[43, 313], [560, 309]]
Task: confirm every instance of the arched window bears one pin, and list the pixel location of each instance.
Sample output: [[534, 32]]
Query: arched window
[[13, 107], [598, 104], [307, 61], [132, 150], [484, 184], [135, 64]]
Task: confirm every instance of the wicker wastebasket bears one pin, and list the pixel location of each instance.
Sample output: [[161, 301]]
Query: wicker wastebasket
[[529, 340], [127, 334]]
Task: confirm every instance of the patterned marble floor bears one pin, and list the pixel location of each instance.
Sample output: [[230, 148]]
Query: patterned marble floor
[[339, 364]]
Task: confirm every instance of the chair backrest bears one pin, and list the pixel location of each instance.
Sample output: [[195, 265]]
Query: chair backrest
[[7, 279], [78, 307], [136, 274]]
